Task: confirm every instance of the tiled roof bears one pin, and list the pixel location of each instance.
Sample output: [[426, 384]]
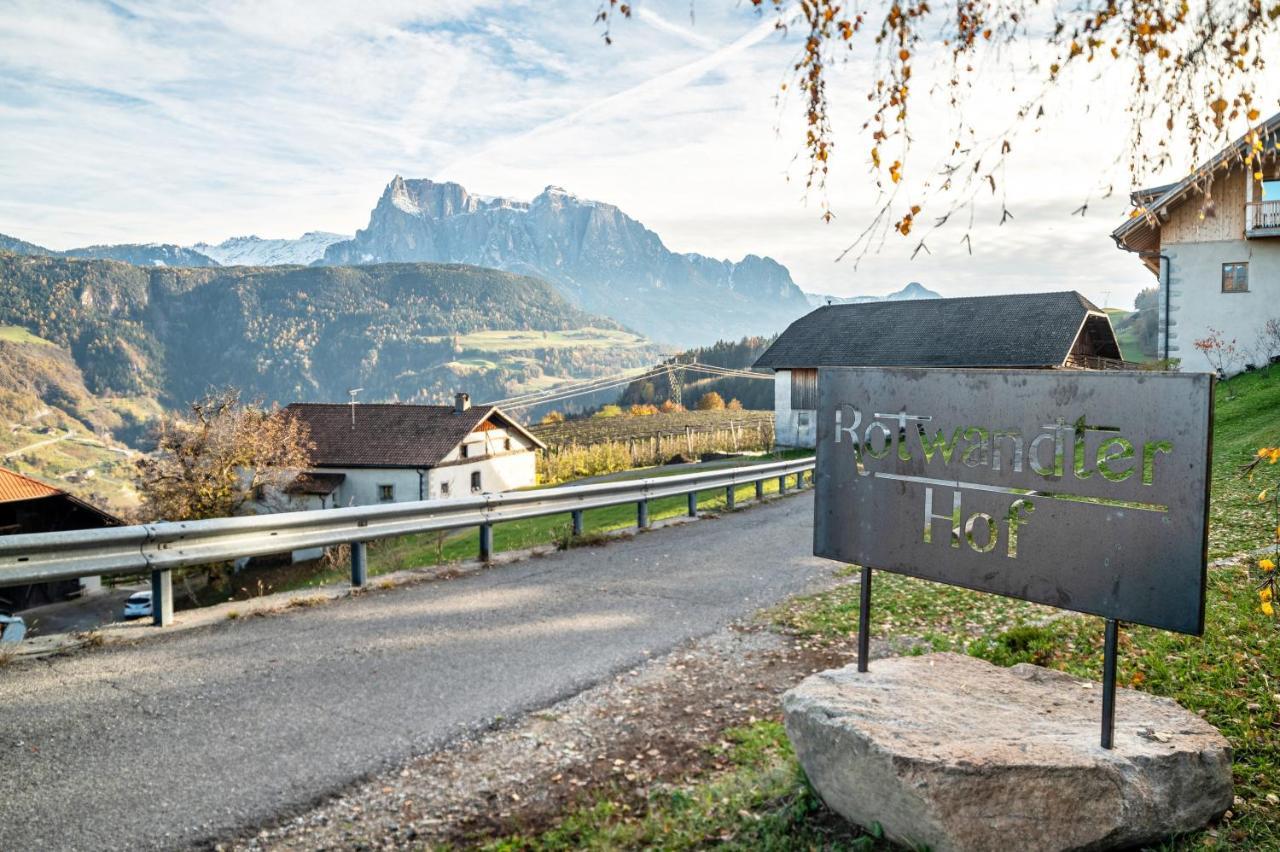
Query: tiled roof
[[1025, 330], [15, 486], [389, 435]]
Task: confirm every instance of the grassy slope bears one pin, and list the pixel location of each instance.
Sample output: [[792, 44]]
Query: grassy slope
[[1231, 676]]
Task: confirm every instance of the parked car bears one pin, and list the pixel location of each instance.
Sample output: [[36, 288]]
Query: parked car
[[12, 628], [138, 605]]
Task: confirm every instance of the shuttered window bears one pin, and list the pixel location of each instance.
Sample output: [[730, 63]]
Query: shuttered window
[[804, 390]]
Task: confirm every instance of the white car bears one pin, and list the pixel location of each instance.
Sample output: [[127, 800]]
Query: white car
[[138, 605]]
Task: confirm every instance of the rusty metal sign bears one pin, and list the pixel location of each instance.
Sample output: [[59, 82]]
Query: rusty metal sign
[[1082, 490]]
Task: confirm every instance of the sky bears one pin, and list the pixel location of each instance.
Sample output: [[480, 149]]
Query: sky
[[137, 121]]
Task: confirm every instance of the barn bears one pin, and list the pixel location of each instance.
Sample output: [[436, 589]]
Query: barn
[[1037, 331]]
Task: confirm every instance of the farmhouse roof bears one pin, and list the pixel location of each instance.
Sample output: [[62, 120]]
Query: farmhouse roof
[[1140, 232], [392, 435], [14, 488], [1035, 330]]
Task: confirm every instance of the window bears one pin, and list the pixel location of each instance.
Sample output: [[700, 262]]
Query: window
[[506, 444], [1235, 278], [804, 390], [475, 482], [465, 451], [386, 493], [444, 489]]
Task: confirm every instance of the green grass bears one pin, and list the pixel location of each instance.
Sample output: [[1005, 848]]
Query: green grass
[[18, 334], [507, 340], [763, 803], [427, 549]]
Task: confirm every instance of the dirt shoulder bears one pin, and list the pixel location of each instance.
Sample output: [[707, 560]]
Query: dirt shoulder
[[654, 725]]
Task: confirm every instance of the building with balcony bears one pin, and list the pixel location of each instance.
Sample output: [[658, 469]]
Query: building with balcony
[[1212, 241]]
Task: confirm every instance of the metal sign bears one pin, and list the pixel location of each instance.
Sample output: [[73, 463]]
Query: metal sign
[[1081, 490]]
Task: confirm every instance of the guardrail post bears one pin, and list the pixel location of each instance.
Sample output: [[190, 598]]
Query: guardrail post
[[577, 522], [162, 598], [642, 514], [486, 542], [782, 485], [359, 569], [693, 503], [759, 489], [729, 497]]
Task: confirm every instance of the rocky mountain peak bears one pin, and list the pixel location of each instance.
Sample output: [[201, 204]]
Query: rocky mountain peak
[[600, 258]]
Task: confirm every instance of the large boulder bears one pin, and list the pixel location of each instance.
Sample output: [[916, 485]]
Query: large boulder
[[954, 753]]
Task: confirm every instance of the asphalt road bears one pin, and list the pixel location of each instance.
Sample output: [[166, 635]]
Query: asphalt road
[[184, 738]]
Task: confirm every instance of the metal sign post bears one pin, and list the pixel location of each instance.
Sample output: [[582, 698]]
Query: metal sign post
[[1086, 491]]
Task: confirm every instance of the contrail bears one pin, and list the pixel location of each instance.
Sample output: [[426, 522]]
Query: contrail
[[658, 22], [665, 82]]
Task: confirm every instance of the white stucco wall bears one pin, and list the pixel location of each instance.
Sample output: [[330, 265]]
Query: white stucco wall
[[502, 472], [791, 428], [1197, 303]]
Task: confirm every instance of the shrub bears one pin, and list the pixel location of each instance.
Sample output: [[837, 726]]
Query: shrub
[[642, 410], [609, 411], [552, 417], [710, 402], [669, 407], [734, 405]]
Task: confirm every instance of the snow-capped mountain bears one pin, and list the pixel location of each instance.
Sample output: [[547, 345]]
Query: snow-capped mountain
[[256, 251], [602, 259], [914, 290]]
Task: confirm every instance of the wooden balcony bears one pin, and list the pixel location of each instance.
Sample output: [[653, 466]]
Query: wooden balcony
[[1262, 219]]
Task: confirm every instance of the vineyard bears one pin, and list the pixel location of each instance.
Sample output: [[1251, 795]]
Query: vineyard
[[589, 447]]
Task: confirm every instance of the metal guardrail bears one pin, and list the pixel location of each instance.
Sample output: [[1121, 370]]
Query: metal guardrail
[[161, 547]]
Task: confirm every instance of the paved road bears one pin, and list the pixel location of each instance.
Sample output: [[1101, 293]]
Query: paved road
[[183, 738]]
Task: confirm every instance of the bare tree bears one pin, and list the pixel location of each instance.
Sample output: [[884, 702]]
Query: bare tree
[[219, 457], [1194, 72]]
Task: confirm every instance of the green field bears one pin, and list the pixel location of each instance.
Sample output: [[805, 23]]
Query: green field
[[1230, 676], [589, 337], [18, 334]]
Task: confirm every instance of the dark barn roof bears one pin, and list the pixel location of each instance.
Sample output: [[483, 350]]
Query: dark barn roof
[[1034, 330], [391, 435]]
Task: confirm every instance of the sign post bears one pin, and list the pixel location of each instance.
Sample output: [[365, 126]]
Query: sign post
[[1086, 491]]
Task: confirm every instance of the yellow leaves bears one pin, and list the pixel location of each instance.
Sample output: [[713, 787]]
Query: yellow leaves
[[904, 54], [1267, 565], [1264, 594], [1219, 106], [875, 157], [1254, 114], [1262, 495], [1271, 454], [895, 171], [1267, 608]]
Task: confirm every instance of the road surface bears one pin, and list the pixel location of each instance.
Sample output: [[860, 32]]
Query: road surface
[[187, 737]]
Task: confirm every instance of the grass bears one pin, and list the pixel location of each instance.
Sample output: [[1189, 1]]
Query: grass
[[18, 334], [762, 802], [1230, 676], [427, 549], [520, 340]]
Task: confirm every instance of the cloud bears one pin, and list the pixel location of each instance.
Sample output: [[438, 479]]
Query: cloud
[[142, 120]]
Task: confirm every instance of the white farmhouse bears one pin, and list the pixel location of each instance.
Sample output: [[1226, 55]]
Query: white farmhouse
[[1212, 240], [1035, 331], [367, 454]]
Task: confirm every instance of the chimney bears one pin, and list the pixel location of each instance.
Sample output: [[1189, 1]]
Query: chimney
[[461, 402]]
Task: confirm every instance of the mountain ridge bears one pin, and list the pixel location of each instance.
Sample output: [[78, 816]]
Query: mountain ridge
[[605, 261], [913, 290]]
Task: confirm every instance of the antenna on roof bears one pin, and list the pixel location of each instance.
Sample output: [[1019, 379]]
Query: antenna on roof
[[351, 392]]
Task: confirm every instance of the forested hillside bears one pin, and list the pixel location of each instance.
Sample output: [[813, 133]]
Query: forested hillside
[[739, 354], [400, 331]]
